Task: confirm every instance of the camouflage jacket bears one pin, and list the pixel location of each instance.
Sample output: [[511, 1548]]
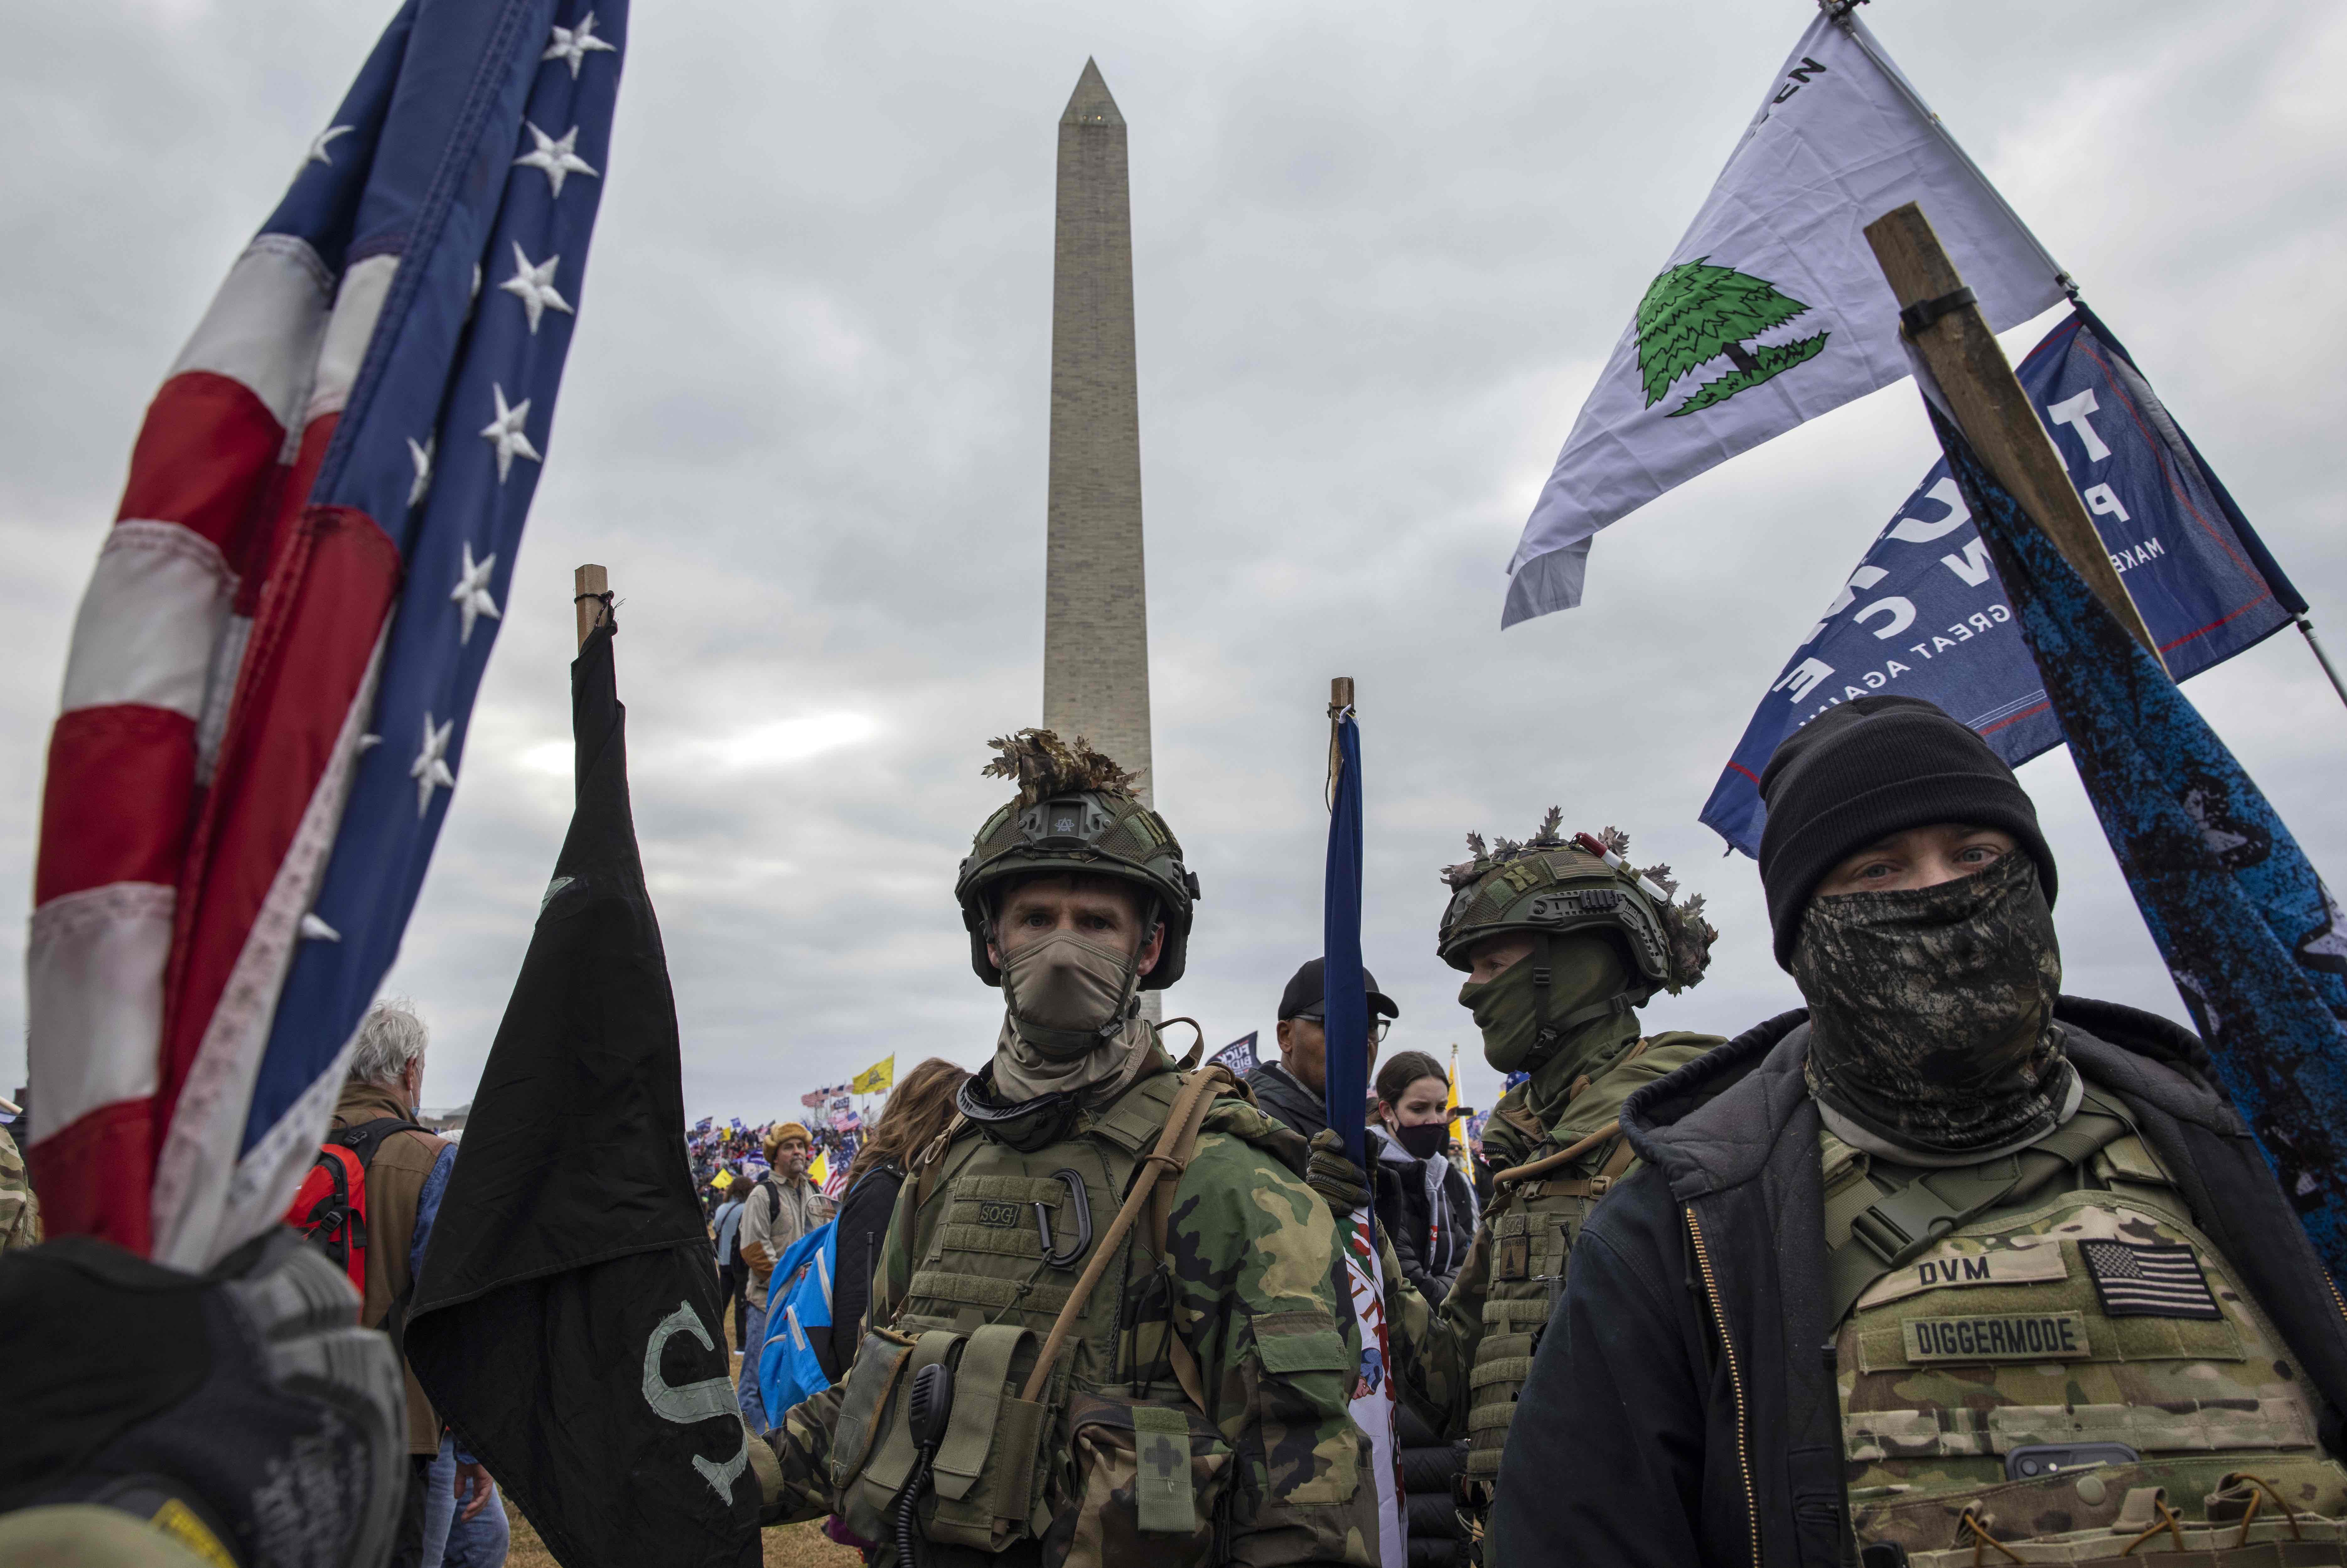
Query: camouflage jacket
[[1256, 1294], [1435, 1348], [20, 1211]]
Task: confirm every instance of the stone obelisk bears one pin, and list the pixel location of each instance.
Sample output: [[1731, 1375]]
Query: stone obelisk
[[1095, 607]]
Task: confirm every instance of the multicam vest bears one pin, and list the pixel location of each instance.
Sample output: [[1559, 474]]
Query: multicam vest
[[1995, 1383], [1113, 1461], [1530, 1228]]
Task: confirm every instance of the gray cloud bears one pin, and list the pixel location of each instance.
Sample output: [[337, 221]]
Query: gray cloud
[[1380, 254]]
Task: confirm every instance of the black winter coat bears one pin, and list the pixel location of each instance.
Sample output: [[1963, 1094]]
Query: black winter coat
[[863, 1213], [1653, 1438], [1280, 1097]]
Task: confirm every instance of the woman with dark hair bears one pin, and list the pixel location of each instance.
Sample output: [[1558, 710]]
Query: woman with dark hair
[[919, 1109], [1427, 1205], [1425, 1202]]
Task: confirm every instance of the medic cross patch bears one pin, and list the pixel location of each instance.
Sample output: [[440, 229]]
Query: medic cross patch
[[2148, 1281]]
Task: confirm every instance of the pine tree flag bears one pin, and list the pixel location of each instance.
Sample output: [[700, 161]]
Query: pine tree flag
[[1770, 310], [567, 1322]]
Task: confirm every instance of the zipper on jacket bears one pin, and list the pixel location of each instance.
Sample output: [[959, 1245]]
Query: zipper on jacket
[[1735, 1381]]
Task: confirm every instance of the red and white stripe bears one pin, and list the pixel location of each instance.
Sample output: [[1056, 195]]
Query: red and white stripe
[[128, 919]]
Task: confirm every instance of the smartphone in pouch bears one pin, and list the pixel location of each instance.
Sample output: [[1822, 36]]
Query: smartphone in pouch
[[2036, 1460]]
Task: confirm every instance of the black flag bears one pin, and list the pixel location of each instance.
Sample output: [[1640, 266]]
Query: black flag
[[566, 1319]]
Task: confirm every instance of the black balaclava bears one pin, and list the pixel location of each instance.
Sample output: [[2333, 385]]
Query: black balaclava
[[1931, 1011]]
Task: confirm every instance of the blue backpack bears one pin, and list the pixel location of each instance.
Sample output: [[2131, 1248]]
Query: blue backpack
[[798, 1305]]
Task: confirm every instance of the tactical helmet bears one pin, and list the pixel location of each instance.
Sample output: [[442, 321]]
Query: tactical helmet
[[1550, 886], [1074, 815]]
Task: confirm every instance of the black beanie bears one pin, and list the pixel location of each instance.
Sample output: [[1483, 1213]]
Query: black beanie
[[1871, 767]]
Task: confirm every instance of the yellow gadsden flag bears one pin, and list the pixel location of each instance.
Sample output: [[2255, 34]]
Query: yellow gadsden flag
[[876, 1077]]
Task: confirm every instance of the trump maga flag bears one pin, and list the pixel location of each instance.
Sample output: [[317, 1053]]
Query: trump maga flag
[[1770, 310], [273, 666], [1926, 616]]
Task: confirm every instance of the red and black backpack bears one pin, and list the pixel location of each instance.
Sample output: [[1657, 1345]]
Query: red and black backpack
[[331, 1206]]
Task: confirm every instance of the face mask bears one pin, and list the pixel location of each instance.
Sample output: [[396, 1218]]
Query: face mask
[[1423, 1140], [1583, 970], [1063, 990], [1931, 1010]]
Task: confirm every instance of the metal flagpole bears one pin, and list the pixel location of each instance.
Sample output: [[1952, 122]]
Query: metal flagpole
[[2306, 629]]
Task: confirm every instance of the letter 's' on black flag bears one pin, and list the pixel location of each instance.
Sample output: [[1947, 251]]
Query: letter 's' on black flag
[[566, 1320]]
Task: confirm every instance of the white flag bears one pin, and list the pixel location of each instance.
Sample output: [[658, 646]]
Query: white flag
[[1772, 309]]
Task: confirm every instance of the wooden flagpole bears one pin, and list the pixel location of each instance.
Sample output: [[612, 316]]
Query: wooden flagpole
[[1988, 404], [1340, 697], [590, 584]]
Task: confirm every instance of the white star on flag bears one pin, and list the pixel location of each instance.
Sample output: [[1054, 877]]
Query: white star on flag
[[421, 456], [318, 153], [534, 287], [317, 930], [471, 593], [555, 157], [430, 768], [573, 44], [507, 434]]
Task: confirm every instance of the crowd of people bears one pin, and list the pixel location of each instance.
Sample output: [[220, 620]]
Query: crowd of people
[[1941, 1266]]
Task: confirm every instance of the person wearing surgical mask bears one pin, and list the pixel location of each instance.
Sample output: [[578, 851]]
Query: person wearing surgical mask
[[1947, 1266], [1425, 1202]]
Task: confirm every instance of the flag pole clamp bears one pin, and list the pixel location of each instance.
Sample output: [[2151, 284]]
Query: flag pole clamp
[[1916, 317]]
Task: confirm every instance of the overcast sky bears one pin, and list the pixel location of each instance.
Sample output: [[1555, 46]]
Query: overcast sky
[[1381, 252]]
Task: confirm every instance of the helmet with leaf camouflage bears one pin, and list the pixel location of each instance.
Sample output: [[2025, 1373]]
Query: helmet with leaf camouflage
[[1549, 886], [1075, 814]]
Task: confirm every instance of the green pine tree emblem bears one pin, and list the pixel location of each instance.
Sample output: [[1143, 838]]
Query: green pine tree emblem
[[1696, 311]]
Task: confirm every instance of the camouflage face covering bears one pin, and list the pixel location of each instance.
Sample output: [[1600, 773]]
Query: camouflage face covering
[[1931, 1010]]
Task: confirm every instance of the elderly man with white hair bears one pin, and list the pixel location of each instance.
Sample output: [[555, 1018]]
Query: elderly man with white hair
[[407, 1172]]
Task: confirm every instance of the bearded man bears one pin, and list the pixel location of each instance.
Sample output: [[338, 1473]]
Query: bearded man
[[1946, 1263]]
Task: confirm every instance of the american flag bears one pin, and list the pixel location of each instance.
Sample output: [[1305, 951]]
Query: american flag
[[273, 669], [2148, 1281]]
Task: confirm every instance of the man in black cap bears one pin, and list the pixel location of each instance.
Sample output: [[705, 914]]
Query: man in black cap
[[1295, 1088], [1944, 1262]]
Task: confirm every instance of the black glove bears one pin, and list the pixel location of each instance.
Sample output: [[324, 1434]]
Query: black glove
[[1340, 1182], [249, 1397]]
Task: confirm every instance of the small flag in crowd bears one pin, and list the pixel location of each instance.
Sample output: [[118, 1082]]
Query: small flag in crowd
[[1238, 1056], [566, 1323], [822, 1097], [2256, 944], [274, 665], [1925, 616], [875, 1078], [1770, 311]]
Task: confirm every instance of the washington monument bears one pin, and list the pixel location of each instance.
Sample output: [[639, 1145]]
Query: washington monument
[[1095, 607]]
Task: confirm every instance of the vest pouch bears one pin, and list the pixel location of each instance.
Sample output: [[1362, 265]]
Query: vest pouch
[[872, 1446], [987, 1476], [1151, 1488]]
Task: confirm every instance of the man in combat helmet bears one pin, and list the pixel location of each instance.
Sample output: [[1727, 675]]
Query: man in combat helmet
[[1108, 1322], [1560, 941]]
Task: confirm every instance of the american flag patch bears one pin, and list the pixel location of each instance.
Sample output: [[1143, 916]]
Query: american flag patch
[[2148, 1281]]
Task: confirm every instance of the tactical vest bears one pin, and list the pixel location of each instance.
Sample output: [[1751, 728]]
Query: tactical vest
[[2047, 1314], [1112, 1460], [1537, 1209]]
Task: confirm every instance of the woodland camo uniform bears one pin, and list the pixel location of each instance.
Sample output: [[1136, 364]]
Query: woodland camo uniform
[[1606, 938], [1226, 1440]]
